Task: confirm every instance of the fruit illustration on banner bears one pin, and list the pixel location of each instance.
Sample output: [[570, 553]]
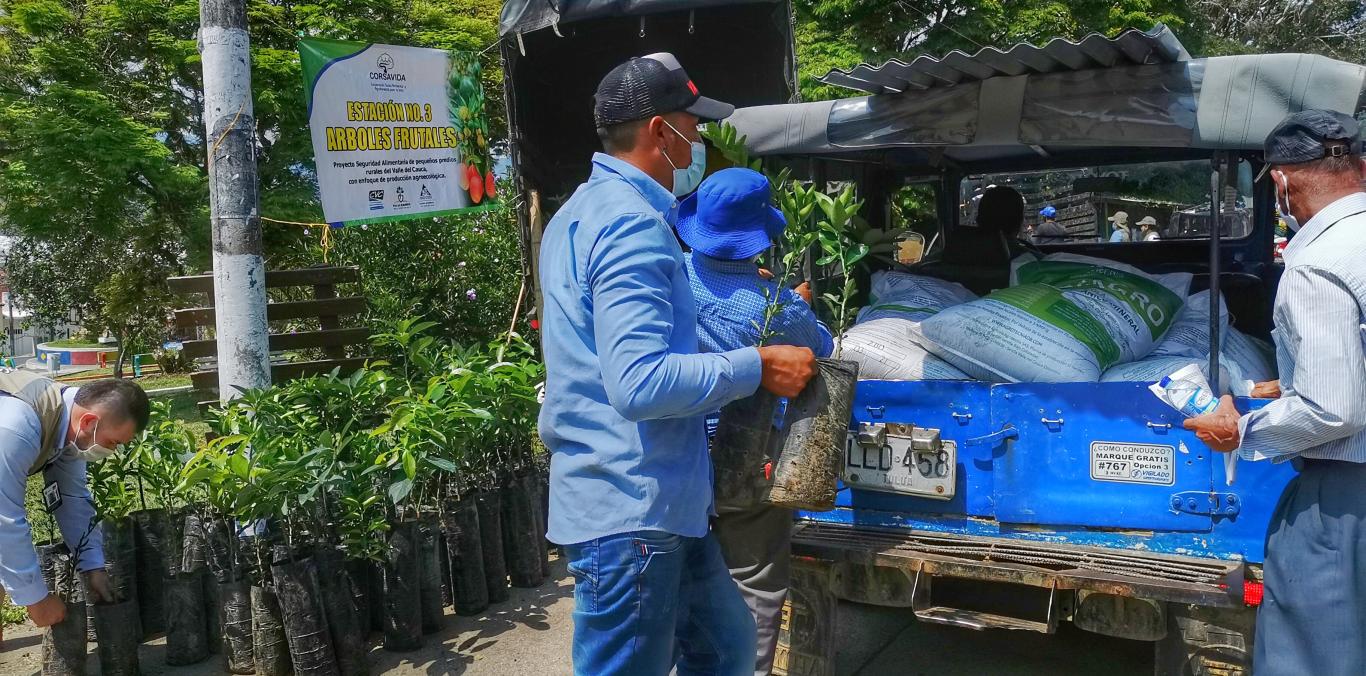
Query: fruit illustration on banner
[[467, 99]]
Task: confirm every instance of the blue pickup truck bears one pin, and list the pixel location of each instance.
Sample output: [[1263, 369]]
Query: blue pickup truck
[[1001, 505]]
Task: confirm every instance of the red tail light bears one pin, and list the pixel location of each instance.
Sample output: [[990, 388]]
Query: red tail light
[[1252, 593]]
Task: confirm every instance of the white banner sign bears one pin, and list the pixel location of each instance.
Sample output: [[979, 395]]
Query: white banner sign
[[398, 132]]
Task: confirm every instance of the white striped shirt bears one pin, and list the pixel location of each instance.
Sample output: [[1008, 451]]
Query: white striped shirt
[[1319, 333]]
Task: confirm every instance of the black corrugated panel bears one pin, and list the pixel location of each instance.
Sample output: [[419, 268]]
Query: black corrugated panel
[[1132, 47]]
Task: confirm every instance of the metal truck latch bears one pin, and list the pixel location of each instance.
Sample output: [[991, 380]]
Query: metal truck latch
[[926, 440], [1206, 503], [995, 438], [872, 435]]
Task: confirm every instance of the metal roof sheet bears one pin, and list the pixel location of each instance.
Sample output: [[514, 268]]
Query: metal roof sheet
[[1132, 47]]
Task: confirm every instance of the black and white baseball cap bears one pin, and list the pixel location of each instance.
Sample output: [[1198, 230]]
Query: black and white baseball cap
[[646, 86]]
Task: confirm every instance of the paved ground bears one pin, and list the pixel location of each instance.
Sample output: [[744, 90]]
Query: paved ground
[[531, 633]]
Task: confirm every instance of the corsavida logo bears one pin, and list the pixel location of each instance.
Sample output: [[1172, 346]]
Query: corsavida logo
[[385, 63]]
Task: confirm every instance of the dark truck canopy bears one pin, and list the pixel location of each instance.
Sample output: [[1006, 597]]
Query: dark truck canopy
[[554, 55], [1091, 99]]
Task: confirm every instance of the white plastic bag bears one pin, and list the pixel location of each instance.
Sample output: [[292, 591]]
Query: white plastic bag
[[884, 351], [910, 297], [1189, 334]]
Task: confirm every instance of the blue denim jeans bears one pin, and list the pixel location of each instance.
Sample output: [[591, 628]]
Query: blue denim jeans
[[646, 601]]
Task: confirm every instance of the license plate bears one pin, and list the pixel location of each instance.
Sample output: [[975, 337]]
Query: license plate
[[896, 468]]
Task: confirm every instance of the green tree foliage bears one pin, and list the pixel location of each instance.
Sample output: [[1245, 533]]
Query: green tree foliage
[[461, 273], [102, 133]]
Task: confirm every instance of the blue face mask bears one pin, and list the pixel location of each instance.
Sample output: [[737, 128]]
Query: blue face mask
[[688, 178]]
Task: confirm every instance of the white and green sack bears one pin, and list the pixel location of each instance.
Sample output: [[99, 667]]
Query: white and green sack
[[1066, 318]]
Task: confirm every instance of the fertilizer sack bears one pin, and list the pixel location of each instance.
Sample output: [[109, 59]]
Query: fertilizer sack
[[1066, 318], [1253, 359], [1189, 334], [884, 351], [910, 297]]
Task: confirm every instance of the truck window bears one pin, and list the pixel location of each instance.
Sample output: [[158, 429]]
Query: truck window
[[912, 212], [1121, 204]]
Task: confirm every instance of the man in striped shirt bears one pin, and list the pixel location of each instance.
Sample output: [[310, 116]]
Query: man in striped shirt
[[1313, 617]]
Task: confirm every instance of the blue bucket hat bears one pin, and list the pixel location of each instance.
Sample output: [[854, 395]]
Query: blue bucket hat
[[730, 217]]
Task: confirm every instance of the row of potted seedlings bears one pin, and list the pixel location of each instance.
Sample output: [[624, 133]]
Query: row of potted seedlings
[[321, 510]]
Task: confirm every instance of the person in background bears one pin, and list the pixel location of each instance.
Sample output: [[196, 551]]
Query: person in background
[[46, 427], [1148, 230], [1002, 210], [1120, 223], [627, 391], [1313, 615], [1049, 231], [728, 223]]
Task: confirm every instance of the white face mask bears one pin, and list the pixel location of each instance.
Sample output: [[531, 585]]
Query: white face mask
[[92, 453], [688, 178], [1284, 205]]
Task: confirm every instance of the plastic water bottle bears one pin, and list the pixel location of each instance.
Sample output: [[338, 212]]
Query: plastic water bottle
[[1189, 395]]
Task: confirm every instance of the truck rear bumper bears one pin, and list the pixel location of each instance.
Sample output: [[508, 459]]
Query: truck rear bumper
[[1123, 572]]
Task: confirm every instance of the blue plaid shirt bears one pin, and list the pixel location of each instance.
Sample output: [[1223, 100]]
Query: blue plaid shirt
[[730, 308]]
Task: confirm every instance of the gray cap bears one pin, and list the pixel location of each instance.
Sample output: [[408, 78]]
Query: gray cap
[[1310, 135]]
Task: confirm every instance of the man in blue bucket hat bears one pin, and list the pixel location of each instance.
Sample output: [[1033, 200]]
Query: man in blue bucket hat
[[728, 223]]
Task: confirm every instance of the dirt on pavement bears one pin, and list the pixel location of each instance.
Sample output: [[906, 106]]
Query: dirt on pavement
[[529, 634]]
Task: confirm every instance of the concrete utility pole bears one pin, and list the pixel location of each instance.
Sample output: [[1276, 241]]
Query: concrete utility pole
[[239, 271]]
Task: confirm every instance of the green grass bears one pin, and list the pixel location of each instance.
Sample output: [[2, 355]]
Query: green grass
[[72, 342], [185, 406], [159, 381]]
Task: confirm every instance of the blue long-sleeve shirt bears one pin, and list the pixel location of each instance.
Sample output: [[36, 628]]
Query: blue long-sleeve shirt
[[20, 434], [731, 303], [626, 387]]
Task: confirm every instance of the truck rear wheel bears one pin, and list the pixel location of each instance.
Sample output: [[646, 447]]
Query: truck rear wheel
[[1204, 641]]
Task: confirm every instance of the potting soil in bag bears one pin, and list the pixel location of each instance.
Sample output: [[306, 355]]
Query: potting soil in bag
[[884, 351], [301, 608], [402, 589], [359, 570], [120, 562], [150, 534], [469, 588], [64, 649], [119, 631], [213, 613], [1189, 334], [187, 640], [1066, 319], [429, 575], [491, 544], [343, 621], [519, 533], [235, 602], [1254, 359], [910, 297], [538, 507], [270, 649]]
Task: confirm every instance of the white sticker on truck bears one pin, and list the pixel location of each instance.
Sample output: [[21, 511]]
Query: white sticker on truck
[[1133, 463]]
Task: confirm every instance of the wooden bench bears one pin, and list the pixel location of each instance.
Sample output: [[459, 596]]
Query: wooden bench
[[326, 306]]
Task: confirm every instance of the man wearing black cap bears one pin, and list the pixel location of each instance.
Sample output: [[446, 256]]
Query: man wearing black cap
[[627, 392], [1313, 616]]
